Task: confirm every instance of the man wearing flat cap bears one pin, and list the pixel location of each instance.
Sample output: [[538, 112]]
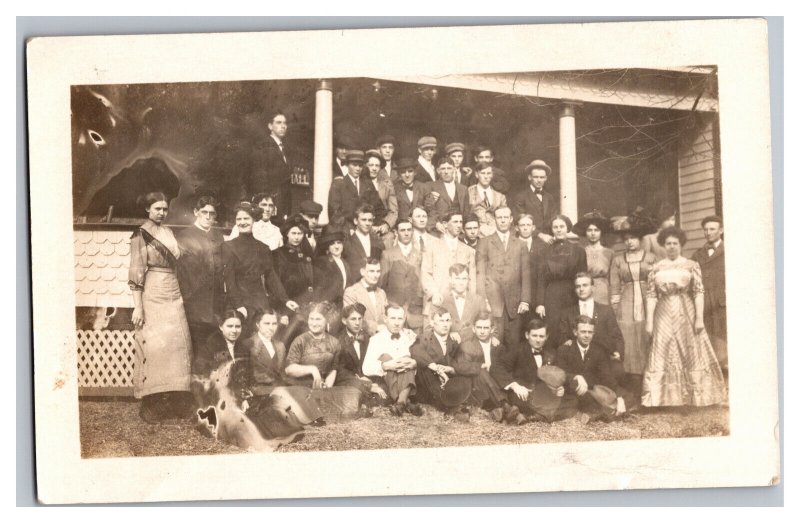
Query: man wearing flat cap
[[386, 146], [350, 191], [309, 211], [426, 171], [534, 200], [463, 174]]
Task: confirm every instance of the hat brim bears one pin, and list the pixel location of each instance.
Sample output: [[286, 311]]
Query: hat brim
[[604, 224], [545, 168]]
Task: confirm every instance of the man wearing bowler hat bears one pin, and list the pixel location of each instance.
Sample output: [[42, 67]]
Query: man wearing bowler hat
[[534, 200], [426, 171], [348, 192]]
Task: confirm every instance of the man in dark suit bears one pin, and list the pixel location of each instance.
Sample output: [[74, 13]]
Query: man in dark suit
[[516, 369], [446, 196], [534, 246], [363, 244], [410, 193], [386, 145], [309, 211], [273, 164], [607, 334], [534, 200], [339, 167], [711, 258], [504, 278], [200, 271], [348, 192], [587, 366], [400, 275], [425, 171], [353, 343], [445, 376]]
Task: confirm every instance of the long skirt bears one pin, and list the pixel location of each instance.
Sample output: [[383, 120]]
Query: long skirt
[[682, 368], [162, 361]]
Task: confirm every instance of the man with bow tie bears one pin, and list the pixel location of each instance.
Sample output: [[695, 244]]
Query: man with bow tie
[[410, 192], [535, 386], [367, 293], [587, 366], [535, 201], [464, 306], [354, 344], [711, 258], [388, 362]]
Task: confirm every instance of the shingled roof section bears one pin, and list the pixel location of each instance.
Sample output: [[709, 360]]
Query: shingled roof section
[[101, 268]]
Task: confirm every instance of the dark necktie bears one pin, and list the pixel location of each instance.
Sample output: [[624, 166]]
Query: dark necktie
[[421, 244], [409, 187]]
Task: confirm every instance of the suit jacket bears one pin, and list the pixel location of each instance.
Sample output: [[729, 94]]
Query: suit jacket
[[607, 334], [484, 212], [427, 350], [526, 202], [473, 305], [328, 282], [436, 262], [354, 254], [421, 175], [595, 368], [713, 271], [343, 198], [518, 364], [388, 201], [535, 256], [504, 276], [473, 355], [296, 273], [200, 273], [349, 363], [438, 210], [400, 278], [375, 315], [265, 370], [248, 270], [404, 205], [270, 172]]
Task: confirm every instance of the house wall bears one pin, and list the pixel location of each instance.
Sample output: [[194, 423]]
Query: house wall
[[698, 180]]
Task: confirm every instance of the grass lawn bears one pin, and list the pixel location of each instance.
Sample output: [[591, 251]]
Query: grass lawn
[[114, 429]]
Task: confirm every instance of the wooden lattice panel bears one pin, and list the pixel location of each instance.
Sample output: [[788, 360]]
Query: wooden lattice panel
[[105, 361]]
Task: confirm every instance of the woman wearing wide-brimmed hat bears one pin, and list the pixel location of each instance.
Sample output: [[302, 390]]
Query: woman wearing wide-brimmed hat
[[593, 226], [628, 277]]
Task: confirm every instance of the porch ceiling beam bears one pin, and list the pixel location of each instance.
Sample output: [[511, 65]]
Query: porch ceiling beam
[[594, 88]]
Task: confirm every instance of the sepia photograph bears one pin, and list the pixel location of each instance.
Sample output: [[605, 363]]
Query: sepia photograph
[[282, 266]]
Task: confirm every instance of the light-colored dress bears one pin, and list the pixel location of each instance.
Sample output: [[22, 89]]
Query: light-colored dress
[[682, 368], [598, 263], [628, 278], [162, 360]]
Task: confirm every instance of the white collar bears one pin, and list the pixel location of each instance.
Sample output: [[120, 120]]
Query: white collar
[[581, 347], [442, 339], [589, 302], [424, 162], [405, 248], [277, 140], [362, 235], [267, 343]]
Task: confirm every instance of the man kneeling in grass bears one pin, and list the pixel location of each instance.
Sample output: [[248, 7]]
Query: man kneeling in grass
[[388, 361]]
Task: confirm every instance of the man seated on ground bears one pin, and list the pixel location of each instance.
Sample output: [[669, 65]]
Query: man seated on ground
[[389, 364], [589, 374], [367, 293], [535, 386], [463, 306], [607, 334], [445, 377], [482, 350], [354, 343]]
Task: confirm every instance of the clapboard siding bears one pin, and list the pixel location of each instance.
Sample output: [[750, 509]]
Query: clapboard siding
[[696, 187]]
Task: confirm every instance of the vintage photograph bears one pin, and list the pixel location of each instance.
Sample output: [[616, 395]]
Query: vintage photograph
[[309, 266]]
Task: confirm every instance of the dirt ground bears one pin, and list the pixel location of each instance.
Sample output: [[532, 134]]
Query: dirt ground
[[114, 429]]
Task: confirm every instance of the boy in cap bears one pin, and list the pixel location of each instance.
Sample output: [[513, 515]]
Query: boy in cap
[[463, 174], [348, 192], [425, 170]]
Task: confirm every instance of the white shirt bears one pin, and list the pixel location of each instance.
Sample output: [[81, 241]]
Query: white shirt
[[280, 146], [365, 242], [355, 182], [451, 189], [405, 249], [538, 358], [451, 242], [356, 344], [268, 344], [528, 242], [342, 167], [428, 166], [339, 263], [583, 351], [230, 345], [424, 236], [503, 238], [442, 342], [538, 194], [410, 194], [586, 307], [459, 304], [486, 346], [371, 295], [716, 246], [382, 343], [487, 193]]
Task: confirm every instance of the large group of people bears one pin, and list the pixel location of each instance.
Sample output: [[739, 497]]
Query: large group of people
[[431, 285]]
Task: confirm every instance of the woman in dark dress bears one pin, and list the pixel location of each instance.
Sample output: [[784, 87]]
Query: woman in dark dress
[[560, 262], [221, 346], [331, 274], [311, 362], [249, 271], [295, 271]]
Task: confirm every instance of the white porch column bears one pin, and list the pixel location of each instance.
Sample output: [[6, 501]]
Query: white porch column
[[323, 146], [567, 161]]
